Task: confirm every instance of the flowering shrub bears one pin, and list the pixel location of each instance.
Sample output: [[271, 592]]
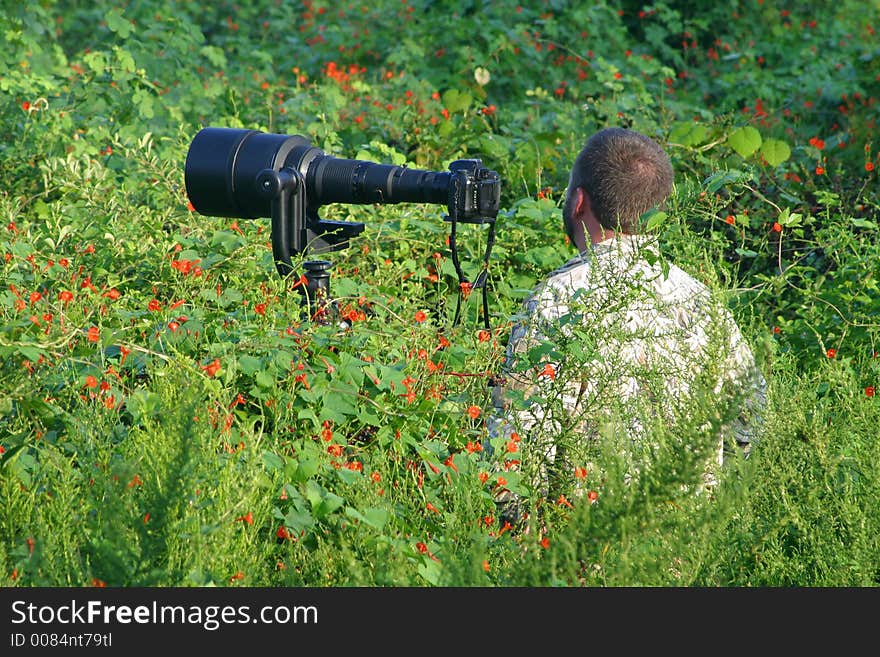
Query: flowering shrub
[[171, 413]]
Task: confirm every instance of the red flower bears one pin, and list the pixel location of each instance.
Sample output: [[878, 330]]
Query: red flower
[[420, 317], [212, 368], [248, 518], [869, 391], [593, 496], [65, 296], [473, 412], [94, 334], [831, 353], [154, 305], [548, 371], [777, 227], [730, 219], [869, 166]]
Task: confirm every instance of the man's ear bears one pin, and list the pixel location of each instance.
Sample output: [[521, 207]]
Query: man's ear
[[581, 200]]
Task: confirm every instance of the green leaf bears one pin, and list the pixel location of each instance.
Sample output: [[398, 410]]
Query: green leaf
[[250, 365], [723, 178], [775, 151], [373, 517], [456, 101], [117, 23], [745, 140], [29, 352], [299, 520], [789, 218], [862, 223], [329, 503], [430, 571], [264, 379], [306, 468], [688, 133], [125, 59], [655, 219]]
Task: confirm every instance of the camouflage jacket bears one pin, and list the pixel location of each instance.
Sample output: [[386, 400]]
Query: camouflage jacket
[[618, 331]]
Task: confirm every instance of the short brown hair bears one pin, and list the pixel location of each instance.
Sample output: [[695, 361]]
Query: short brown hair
[[625, 173]]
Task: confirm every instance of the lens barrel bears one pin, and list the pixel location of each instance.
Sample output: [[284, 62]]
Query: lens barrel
[[223, 164], [222, 167]]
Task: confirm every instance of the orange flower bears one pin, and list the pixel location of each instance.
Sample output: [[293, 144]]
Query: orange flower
[[473, 412], [212, 368], [548, 371]]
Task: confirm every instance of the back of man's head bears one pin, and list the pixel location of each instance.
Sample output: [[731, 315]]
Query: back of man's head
[[625, 174]]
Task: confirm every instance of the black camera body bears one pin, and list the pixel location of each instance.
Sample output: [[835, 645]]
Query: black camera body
[[250, 174]]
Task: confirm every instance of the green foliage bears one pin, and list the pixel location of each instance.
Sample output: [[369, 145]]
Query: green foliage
[[170, 416]]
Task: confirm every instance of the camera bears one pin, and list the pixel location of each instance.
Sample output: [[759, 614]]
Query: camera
[[249, 174]]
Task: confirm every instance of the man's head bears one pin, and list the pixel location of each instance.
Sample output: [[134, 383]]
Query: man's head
[[617, 177]]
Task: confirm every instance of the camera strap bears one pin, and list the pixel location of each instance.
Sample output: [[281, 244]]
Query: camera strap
[[465, 287]]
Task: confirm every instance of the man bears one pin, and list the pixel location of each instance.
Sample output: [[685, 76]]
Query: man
[[618, 344]]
